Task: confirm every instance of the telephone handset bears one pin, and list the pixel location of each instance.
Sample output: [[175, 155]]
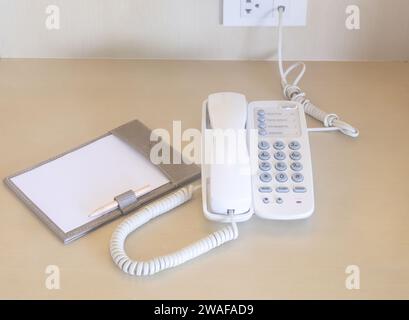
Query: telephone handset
[[226, 182], [275, 180]]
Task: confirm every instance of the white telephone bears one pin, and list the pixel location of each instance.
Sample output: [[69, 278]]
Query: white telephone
[[277, 183], [267, 173]]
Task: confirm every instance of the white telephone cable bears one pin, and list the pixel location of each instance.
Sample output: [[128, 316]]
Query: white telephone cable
[[150, 267], [294, 93]]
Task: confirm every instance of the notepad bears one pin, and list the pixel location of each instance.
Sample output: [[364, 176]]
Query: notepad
[[66, 189], [69, 188]]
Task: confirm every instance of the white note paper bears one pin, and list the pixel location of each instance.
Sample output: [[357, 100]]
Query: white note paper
[[71, 187]]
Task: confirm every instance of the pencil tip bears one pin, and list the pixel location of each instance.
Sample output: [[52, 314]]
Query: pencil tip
[[96, 213]]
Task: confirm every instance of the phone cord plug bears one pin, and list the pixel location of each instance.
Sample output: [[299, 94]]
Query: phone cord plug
[[294, 93], [150, 267]]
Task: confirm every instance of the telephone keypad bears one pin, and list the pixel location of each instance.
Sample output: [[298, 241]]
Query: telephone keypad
[[280, 165], [282, 181]]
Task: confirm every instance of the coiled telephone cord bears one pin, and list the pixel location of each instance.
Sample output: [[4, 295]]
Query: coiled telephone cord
[[155, 265]]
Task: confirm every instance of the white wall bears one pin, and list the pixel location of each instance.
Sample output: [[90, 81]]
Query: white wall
[[191, 29]]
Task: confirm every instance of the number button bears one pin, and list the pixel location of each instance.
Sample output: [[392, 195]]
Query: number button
[[265, 177], [281, 166], [295, 155], [279, 145], [265, 166], [296, 166], [279, 155], [294, 145], [281, 177], [264, 156], [297, 177], [263, 145]]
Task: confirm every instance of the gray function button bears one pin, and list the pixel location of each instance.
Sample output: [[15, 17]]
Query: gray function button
[[281, 177], [266, 200], [300, 189], [279, 145], [279, 155], [279, 201], [264, 155], [294, 145], [262, 132], [265, 177], [282, 190], [261, 113], [261, 119], [281, 166], [295, 155], [265, 190], [265, 166], [263, 145], [262, 125], [296, 166], [297, 177]]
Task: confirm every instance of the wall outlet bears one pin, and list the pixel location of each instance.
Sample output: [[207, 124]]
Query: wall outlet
[[264, 12], [255, 9]]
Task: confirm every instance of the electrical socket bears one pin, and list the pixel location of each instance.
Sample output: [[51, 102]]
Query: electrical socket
[[256, 9], [264, 12]]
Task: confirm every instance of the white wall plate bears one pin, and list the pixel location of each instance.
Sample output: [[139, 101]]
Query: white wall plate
[[264, 12]]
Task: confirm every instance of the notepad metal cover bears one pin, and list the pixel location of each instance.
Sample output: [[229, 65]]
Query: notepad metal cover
[[136, 135]]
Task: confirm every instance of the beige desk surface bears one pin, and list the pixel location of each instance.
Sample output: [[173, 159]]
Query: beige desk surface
[[362, 186]]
